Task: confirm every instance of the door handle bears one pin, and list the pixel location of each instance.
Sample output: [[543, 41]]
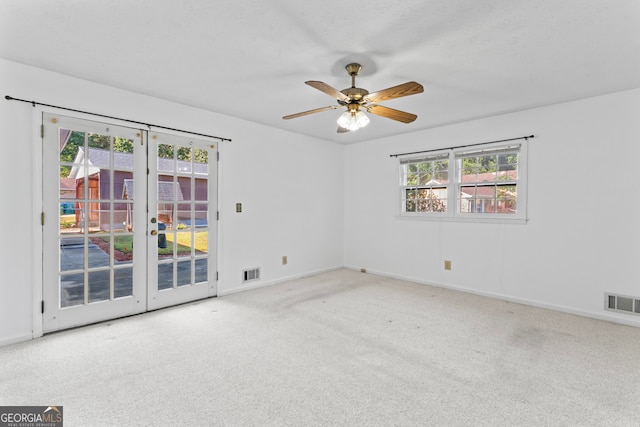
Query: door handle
[[154, 232]]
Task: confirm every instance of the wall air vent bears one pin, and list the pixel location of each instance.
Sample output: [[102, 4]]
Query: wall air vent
[[250, 274], [621, 303]]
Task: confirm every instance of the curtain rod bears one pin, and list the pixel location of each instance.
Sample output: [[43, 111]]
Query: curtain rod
[[34, 103], [462, 146]]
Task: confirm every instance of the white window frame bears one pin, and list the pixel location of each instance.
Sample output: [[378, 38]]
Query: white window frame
[[430, 157], [454, 186]]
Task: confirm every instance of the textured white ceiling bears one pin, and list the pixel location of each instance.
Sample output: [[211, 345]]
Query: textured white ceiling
[[250, 58]]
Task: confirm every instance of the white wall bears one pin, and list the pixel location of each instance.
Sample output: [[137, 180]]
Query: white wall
[[290, 186], [583, 234], [325, 205]]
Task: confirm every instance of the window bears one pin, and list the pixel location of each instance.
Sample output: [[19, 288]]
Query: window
[[425, 184], [487, 181], [472, 184]]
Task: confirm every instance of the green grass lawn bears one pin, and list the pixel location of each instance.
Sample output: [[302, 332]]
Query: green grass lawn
[[124, 244], [201, 243]]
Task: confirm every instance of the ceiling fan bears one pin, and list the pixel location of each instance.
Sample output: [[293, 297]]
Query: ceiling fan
[[356, 99]]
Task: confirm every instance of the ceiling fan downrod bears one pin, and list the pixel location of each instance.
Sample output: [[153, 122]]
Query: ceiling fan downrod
[[353, 69]]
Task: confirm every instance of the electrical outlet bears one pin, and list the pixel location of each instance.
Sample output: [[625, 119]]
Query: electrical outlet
[[284, 260], [447, 264]]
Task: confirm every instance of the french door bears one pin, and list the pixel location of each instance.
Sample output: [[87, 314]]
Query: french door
[[127, 223], [182, 215]]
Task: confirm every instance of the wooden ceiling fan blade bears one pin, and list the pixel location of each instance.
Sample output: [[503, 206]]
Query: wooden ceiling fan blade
[[317, 110], [391, 113], [333, 92], [405, 89]]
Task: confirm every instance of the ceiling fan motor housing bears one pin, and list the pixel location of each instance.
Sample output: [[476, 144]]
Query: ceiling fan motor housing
[[355, 94]]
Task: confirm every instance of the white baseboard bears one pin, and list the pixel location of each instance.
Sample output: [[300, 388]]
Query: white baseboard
[[605, 316], [260, 284], [15, 339]]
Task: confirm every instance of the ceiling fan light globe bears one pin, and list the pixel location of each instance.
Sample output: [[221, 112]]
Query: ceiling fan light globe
[[353, 120], [361, 119], [346, 121]]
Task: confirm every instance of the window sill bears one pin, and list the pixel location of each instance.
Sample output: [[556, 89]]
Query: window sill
[[465, 219]]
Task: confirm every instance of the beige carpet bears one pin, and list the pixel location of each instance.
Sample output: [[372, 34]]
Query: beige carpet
[[338, 349]]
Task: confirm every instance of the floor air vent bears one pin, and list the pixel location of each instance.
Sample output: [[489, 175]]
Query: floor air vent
[[251, 274], [624, 304]]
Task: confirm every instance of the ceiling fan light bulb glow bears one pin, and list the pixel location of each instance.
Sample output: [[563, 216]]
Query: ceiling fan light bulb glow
[[353, 120], [361, 119], [347, 121]]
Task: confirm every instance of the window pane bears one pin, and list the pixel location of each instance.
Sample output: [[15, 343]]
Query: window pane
[[201, 270], [411, 177], [442, 177], [101, 142], [72, 253], [487, 167], [123, 145], [123, 249], [506, 206], [68, 218], [507, 172], [165, 158], [122, 217], [70, 143], [165, 276], [201, 161], [506, 199], [201, 242], [71, 289], [123, 282], [425, 177], [184, 241], [94, 187], [410, 203], [184, 273], [98, 251], [99, 285], [467, 192], [185, 155], [510, 159], [474, 197], [183, 214], [201, 214], [469, 166], [465, 205], [425, 172], [94, 215]]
